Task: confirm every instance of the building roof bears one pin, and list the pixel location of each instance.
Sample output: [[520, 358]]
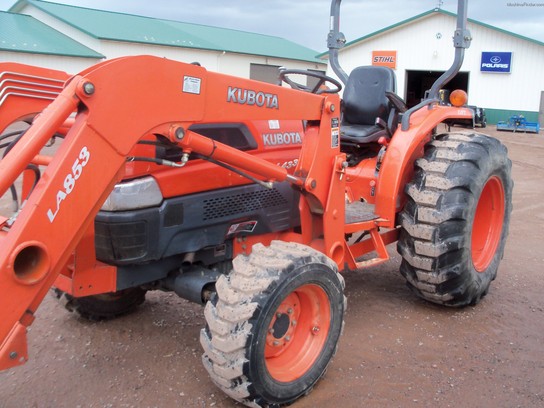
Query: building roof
[[107, 25], [21, 33], [427, 14]]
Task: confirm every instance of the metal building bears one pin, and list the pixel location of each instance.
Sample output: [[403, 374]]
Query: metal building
[[51, 32], [502, 71]]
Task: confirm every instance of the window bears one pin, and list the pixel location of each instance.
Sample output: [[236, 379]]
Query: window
[[311, 81], [264, 73]]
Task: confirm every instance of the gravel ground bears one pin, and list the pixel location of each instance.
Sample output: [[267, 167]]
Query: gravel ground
[[396, 351]]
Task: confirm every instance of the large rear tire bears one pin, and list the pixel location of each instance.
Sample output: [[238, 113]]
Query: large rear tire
[[455, 223], [274, 325], [105, 306]]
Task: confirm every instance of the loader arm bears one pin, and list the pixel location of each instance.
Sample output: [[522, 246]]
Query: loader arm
[[118, 102]]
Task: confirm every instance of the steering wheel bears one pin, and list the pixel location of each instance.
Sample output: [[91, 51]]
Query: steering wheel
[[322, 78]]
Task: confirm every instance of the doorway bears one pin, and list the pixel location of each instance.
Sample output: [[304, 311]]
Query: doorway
[[417, 82]]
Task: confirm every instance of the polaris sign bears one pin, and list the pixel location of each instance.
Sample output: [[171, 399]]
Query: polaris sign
[[496, 62]]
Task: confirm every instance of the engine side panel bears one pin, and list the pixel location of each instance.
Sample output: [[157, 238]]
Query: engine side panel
[[191, 223]]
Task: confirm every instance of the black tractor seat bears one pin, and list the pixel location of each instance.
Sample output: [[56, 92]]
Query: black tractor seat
[[362, 134], [367, 112]]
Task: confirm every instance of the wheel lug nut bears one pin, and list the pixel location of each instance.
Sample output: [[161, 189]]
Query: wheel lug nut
[[271, 331], [278, 315], [294, 323], [287, 338], [276, 343], [289, 311], [315, 330]]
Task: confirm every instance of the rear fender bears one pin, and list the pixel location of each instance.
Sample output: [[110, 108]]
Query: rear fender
[[405, 148]]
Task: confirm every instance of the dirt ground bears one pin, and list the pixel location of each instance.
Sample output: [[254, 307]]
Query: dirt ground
[[396, 351]]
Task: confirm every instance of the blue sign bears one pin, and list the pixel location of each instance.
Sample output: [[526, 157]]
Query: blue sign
[[496, 62]]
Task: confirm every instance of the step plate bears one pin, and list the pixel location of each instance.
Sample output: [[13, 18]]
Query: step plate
[[359, 212]]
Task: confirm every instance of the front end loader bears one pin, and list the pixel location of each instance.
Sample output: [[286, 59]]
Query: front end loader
[[249, 198]]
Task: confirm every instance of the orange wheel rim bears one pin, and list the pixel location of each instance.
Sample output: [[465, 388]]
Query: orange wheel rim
[[488, 222], [297, 333]]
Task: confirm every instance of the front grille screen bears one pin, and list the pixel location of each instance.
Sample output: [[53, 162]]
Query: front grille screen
[[242, 203]]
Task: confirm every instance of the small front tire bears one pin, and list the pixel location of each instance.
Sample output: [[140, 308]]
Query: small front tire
[[274, 326]]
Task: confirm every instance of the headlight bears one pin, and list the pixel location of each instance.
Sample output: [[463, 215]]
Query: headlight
[[132, 195]]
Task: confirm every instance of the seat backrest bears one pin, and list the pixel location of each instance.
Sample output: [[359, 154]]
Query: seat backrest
[[364, 97]]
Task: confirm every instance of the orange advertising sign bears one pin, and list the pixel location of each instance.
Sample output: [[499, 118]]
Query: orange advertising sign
[[385, 58]]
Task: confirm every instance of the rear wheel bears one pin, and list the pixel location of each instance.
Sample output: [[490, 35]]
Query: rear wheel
[[104, 306], [456, 220], [274, 325]]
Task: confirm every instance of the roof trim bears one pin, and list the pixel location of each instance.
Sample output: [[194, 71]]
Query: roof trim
[[57, 54], [425, 14]]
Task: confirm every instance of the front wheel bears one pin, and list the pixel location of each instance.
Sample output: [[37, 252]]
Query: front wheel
[[455, 223], [274, 325]]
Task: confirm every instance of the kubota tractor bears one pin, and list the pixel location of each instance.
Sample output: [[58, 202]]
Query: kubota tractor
[[247, 197]]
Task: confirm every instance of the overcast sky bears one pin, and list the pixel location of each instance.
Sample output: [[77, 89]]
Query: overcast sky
[[306, 21]]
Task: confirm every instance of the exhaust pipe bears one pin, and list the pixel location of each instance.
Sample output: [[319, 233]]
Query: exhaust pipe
[[196, 284]]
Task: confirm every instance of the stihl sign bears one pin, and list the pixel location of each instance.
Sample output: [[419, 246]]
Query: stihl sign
[[385, 58]]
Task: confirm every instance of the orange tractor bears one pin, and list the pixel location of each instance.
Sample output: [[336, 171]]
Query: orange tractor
[[247, 197]]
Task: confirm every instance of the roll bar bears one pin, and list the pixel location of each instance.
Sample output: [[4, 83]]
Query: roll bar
[[461, 40], [335, 41]]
